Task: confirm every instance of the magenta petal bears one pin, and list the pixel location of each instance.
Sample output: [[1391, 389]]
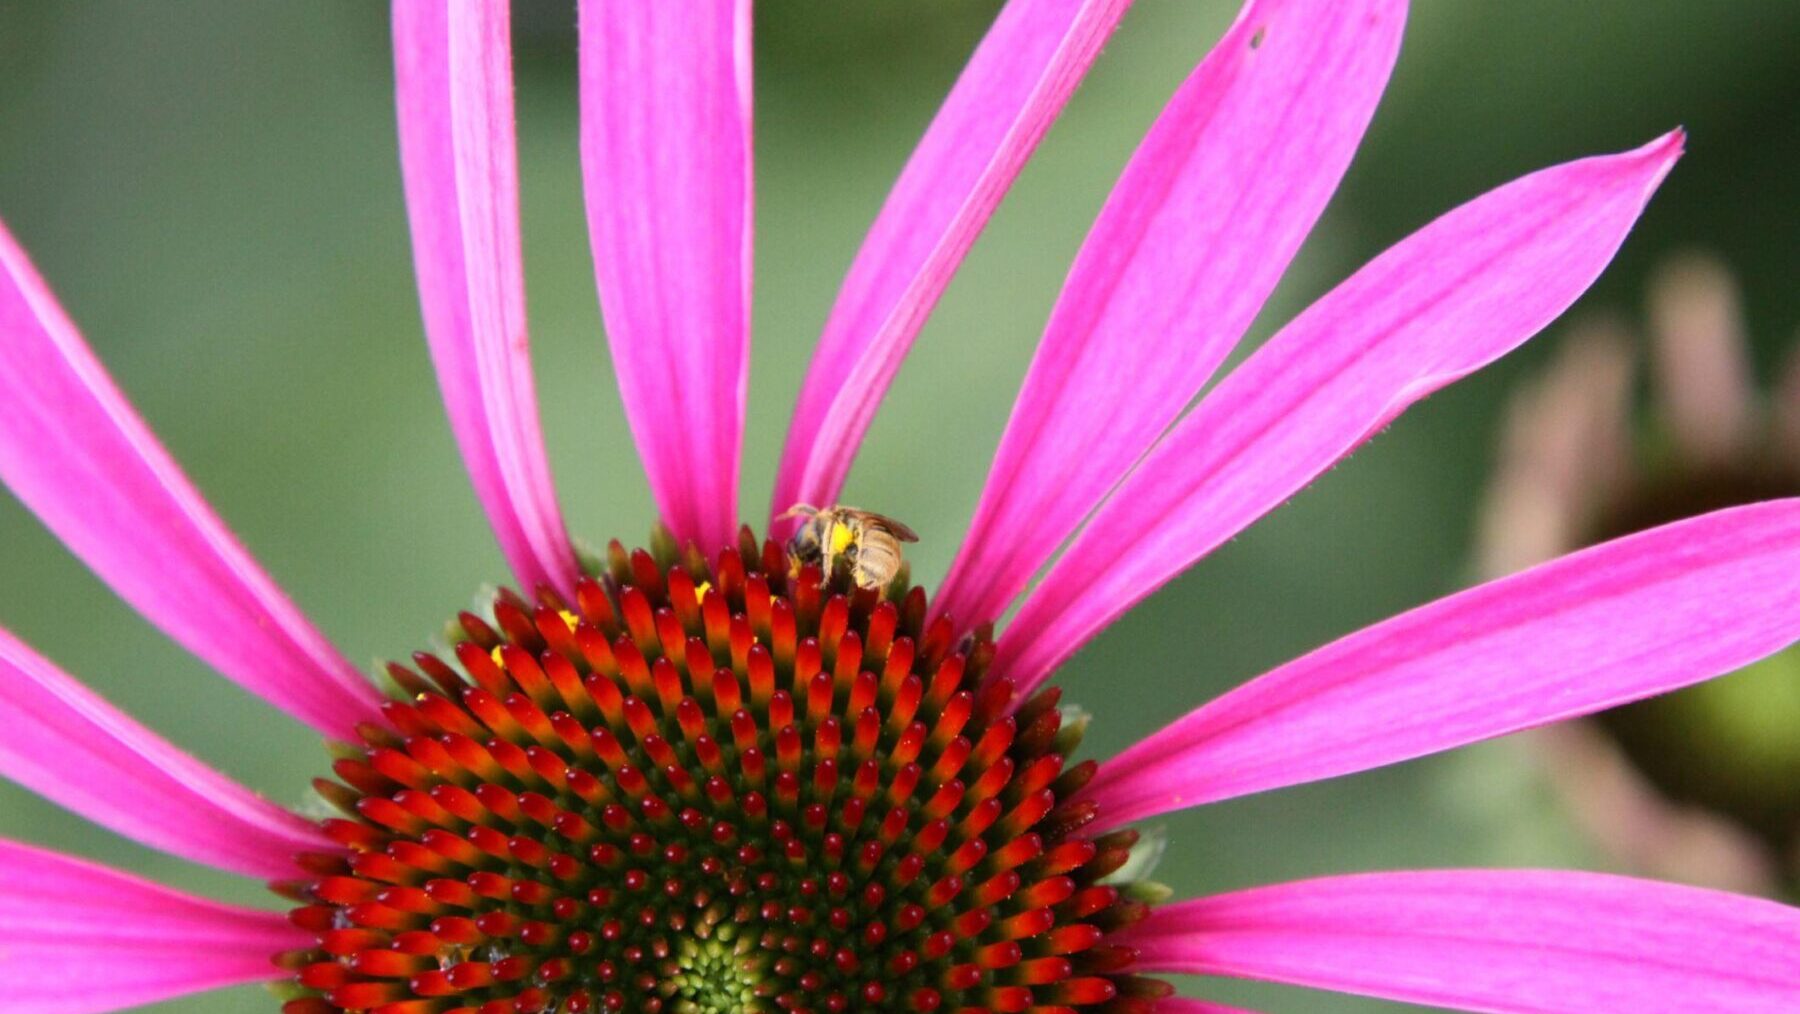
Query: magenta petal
[[1005, 100], [1444, 302], [1182, 1005], [1493, 940], [1197, 232], [665, 152], [66, 743], [73, 449], [79, 938], [1634, 617], [453, 71]]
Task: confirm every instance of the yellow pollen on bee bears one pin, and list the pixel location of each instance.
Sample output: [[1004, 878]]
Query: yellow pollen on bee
[[841, 537]]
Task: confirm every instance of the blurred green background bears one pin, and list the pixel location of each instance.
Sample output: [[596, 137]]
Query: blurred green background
[[212, 189]]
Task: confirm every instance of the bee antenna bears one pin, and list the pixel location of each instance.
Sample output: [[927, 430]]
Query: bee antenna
[[798, 510]]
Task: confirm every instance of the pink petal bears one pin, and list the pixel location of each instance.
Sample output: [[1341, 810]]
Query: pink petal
[[1182, 1005], [1194, 237], [1446, 301], [1003, 103], [1634, 617], [66, 743], [79, 938], [1493, 940], [665, 152], [73, 449], [453, 70]]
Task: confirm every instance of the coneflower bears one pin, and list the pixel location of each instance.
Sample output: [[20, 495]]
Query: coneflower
[[711, 776], [1701, 786]]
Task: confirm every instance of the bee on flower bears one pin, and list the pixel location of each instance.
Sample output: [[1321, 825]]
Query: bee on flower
[[867, 543]]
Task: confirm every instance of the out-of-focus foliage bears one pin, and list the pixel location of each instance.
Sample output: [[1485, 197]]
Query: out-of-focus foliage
[[212, 189]]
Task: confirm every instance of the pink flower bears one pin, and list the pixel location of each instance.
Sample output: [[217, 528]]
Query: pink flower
[[1679, 786], [585, 818]]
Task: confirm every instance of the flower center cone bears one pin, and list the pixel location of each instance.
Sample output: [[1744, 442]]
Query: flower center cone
[[713, 788]]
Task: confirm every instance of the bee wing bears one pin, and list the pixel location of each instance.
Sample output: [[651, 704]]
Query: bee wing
[[894, 528], [874, 520]]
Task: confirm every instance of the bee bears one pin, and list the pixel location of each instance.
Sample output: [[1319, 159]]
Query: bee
[[868, 542]]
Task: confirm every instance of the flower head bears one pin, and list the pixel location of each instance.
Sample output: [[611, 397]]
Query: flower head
[[716, 777], [714, 788], [1704, 785]]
